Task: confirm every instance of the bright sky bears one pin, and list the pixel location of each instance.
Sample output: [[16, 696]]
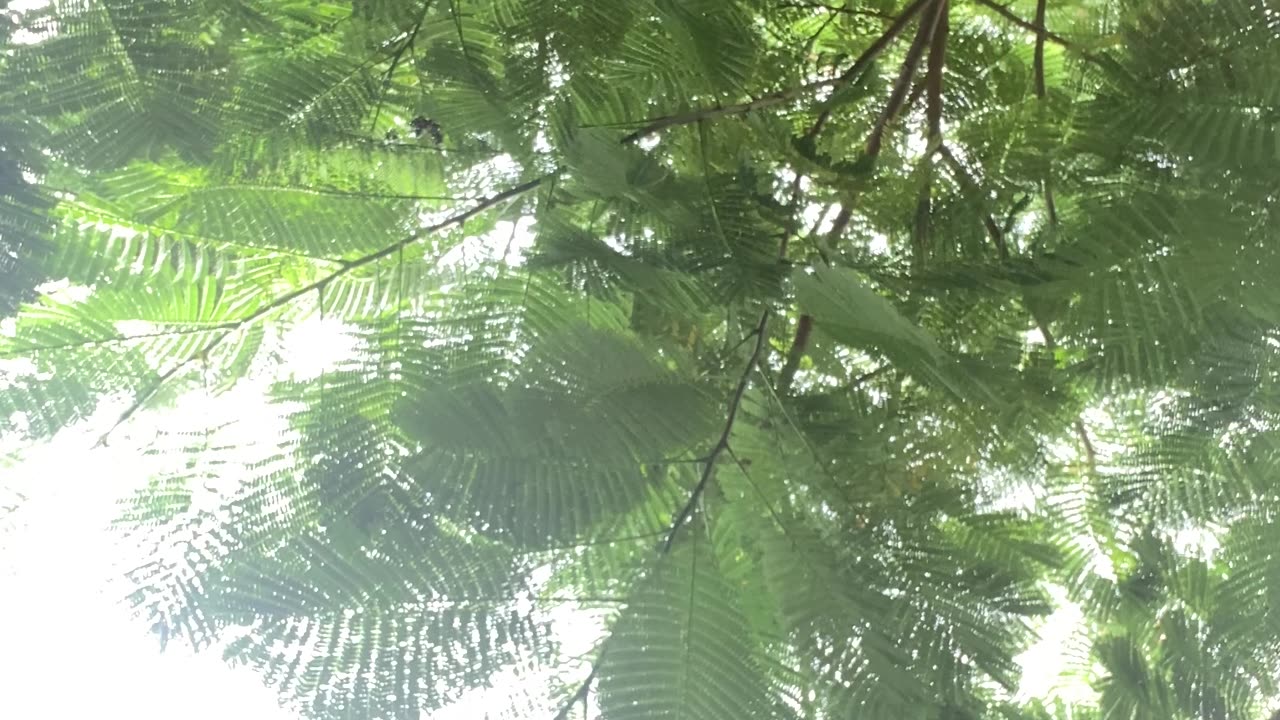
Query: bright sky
[[68, 649]]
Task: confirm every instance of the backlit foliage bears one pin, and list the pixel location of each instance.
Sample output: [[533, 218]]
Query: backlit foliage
[[790, 355]]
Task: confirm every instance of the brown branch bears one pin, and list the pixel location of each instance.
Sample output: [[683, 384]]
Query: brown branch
[[203, 352], [969, 183], [890, 34], [933, 118], [1090, 454], [712, 113], [903, 84], [933, 76], [836, 10], [1039, 29], [804, 326], [782, 96], [1046, 184], [866, 58], [723, 443], [1039, 55]]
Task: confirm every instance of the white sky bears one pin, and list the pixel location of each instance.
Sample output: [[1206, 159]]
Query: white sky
[[67, 648]]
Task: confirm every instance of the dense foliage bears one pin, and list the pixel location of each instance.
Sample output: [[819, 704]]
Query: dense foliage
[[788, 355]]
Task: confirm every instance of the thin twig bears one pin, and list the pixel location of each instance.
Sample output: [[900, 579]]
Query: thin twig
[[22, 350], [903, 84], [395, 62], [783, 96], [836, 10], [692, 116], [580, 694], [1090, 454], [746, 474], [723, 443], [1082, 433], [1039, 29], [865, 59], [970, 184], [805, 324], [147, 394]]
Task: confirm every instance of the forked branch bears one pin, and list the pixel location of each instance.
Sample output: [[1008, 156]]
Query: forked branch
[[785, 96], [1037, 28], [902, 86], [864, 60]]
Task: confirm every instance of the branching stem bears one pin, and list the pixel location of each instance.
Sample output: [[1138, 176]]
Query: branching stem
[[785, 96], [202, 352]]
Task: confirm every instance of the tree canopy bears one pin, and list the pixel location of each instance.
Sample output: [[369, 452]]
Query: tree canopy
[[794, 359]]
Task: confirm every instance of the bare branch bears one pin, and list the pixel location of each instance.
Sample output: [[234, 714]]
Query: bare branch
[[1082, 433], [933, 118], [1039, 55], [767, 101], [1041, 91], [933, 74]]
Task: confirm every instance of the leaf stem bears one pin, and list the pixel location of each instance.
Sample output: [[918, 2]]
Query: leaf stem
[[231, 327], [723, 443]]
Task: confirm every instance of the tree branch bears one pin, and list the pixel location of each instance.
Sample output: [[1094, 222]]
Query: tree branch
[[866, 58], [1039, 54], [231, 327], [1046, 184], [970, 184], [713, 113], [1082, 433], [933, 73], [804, 326], [580, 695], [1037, 28], [837, 10], [723, 443], [903, 84], [783, 96], [395, 62], [933, 119]]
